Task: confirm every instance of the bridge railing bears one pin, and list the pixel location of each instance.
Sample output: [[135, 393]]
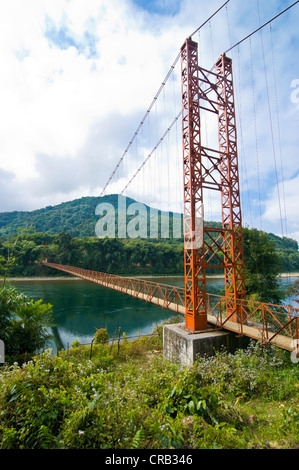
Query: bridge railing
[[262, 320], [270, 320], [163, 294]]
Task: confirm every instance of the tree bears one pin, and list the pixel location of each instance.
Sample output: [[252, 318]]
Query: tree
[[293, 290], [262, 266], [24, 323]]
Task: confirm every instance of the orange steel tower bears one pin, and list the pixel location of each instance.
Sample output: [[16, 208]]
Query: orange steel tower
[[213, 169], [195, 279]]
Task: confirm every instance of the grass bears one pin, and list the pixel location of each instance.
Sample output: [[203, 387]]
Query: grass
[[131, 397]]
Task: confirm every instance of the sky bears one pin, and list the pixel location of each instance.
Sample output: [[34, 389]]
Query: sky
[[77, 78]]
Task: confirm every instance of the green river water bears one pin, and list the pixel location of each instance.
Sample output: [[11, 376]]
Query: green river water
[[79, 307]]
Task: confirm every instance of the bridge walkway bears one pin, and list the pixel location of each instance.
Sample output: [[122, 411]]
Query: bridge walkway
[[284, 325]]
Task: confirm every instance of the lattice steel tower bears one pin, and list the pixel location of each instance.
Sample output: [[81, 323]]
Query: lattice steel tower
[[212, 169]]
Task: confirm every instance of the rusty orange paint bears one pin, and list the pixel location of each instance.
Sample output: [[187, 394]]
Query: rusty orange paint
[[213, 169]]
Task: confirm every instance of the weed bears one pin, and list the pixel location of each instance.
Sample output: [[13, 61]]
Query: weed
[[134, 398]]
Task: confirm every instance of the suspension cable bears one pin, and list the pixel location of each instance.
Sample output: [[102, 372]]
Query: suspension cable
[[262, 26], [255, 135], [279, 131], [271, 124], [212, 16], [152, 152], [162, 86], [155, 99]]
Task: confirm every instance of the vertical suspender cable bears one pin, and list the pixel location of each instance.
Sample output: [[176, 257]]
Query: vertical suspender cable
[[278, 130], [270, 122], [241, 138], [256, 137]]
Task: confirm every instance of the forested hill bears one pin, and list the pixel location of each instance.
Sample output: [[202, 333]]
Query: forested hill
[[75, 217], [78, 218]]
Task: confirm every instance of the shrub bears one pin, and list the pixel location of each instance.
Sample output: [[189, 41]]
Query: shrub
[[24, 324], [71, 401], [101, 335], [246, 373]]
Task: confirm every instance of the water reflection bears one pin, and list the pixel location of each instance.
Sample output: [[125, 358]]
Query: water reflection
[[79, 307]]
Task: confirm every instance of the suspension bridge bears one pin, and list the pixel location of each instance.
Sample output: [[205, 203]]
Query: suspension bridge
[[208, 170]]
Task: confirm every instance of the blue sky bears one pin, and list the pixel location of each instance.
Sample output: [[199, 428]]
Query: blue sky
[[63, 37], [79, 76], [161, 7]]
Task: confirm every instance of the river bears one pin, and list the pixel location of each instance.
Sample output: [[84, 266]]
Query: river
[[79, 307]]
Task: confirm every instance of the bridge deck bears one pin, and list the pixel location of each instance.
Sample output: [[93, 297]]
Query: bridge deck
[[281, 341], [177, 306]]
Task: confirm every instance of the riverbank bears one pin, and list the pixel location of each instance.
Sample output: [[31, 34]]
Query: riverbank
[[130, 397], [160, 276], [288, 275], [58, 278]]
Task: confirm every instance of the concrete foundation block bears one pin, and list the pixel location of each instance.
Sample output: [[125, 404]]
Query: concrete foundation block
[[183, 347]]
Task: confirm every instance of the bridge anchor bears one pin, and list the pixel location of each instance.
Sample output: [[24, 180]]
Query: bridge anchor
[[183, 347]]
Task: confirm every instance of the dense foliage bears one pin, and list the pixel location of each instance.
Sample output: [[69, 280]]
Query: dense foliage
[[77, 217], [134, 398], [24, 323], [131, 397], [107, 255], [21, 256], [262, 267], [71, 226], [65, 217], [293, 291]]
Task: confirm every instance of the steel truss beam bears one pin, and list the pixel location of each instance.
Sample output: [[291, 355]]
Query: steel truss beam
[[213, 169], [195, 277]]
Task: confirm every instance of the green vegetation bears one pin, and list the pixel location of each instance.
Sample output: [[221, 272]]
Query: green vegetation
[[107, 255], [24, 324], [132, 397], [76, 217], [66, 217], [127, 395], [21, 256], [65, 234], [101, 335], [293, 291], [287, 249], [262, 266]]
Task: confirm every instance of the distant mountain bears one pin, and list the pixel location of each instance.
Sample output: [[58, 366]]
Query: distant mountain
[[75, 217], [84, 217], [78, 218]]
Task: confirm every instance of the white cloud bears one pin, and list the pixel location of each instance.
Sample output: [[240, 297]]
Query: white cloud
[[78, 77], [281, 207], [53, 93]]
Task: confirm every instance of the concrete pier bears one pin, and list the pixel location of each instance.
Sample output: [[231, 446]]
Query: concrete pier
[[183, 347]]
